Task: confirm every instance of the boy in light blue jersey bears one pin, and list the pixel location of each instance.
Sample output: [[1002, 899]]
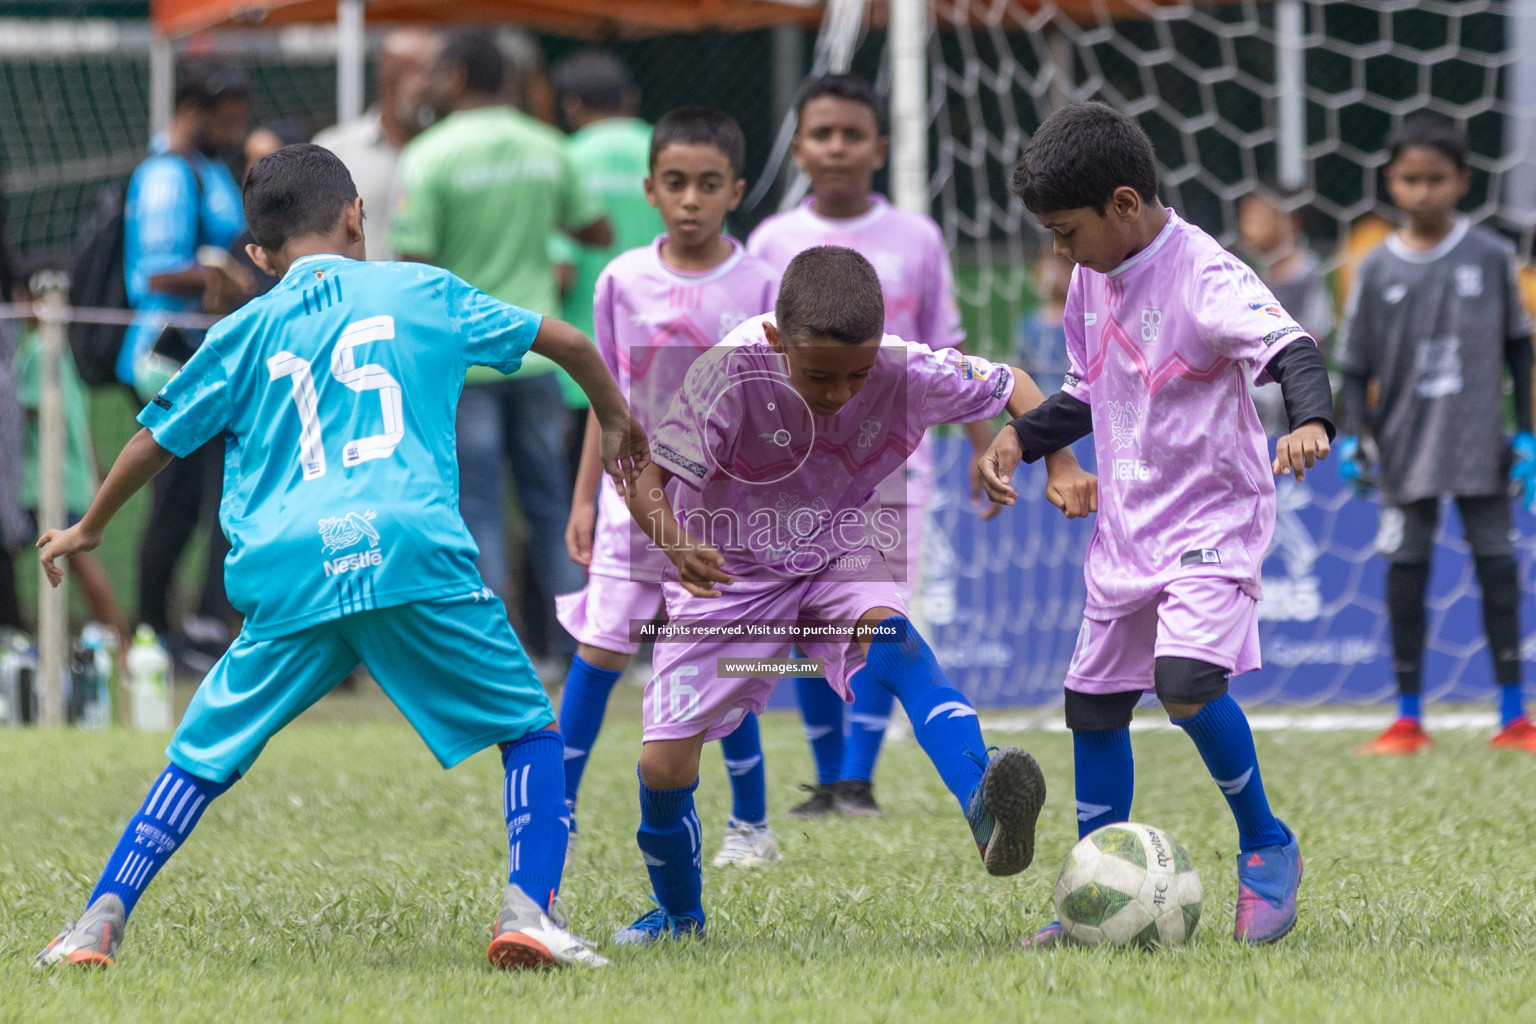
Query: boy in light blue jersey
[[335, 394]]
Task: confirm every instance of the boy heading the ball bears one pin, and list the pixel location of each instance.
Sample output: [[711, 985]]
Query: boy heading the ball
[[777, 441], [335, 396], [1164, 331], [656, 308]]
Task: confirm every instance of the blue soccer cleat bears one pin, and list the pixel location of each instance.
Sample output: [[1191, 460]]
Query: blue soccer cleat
[[1047, 936], [659, 926], [1267, 880], [1002, 811]]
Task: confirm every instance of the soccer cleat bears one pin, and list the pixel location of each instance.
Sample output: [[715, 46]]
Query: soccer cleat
[[1517, 735], [1404, 736], [818, 805], [855, 798], [659, 926], [1267, 880], [747, 846], [1003, 808], [91, 941], [1047, 936], [524, 936]]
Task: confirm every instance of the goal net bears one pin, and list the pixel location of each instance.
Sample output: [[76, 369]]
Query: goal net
[[1234, 96]]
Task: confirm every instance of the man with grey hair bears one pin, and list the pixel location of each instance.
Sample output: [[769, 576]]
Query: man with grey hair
[[370, 145]]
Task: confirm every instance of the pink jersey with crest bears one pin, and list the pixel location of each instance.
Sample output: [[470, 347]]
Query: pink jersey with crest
[[783, 492], [650, 322], [906, 250], [1162, 348]]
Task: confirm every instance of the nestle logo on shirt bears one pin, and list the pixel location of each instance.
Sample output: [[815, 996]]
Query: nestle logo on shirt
[[1132, 470]]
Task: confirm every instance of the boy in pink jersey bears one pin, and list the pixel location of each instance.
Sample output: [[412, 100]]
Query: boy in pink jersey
[[778, 439], [1164, 331], [840, 142], [656, 308]]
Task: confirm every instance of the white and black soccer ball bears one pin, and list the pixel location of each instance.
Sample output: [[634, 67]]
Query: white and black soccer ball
[[1128, 885]]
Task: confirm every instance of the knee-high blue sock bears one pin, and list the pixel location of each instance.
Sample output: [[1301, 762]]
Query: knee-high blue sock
[[538, 824], [175, 803], [1225, 742], [1104, 771], [942, 719], [743, 753], [821, 709], [867, 722], [583, 703], [671, 843], [1511, 703]]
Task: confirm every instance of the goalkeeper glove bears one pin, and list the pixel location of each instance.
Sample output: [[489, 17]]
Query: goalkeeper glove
[[1522, 471], [1355, 464]]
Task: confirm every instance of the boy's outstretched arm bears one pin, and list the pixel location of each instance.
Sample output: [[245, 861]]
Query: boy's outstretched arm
[[1042, 428], [140, 460], [698, 564], [1303, 378], [625, 452]]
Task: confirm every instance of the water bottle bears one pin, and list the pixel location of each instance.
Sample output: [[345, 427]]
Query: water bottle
[[101, 643], [149, 676], [18, 678]]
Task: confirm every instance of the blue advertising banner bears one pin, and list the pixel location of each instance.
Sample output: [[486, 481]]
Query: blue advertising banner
[[1001, 601]]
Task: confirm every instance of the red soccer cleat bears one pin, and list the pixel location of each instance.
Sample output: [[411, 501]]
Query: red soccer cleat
[[1404, 736], [1517, 735]]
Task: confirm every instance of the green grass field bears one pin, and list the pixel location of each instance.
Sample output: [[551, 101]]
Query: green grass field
[[348, 879]]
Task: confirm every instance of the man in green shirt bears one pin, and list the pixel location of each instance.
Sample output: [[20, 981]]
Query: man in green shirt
[[481, 192]]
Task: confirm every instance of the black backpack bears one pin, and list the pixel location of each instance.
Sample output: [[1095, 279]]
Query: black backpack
[[97, 280]]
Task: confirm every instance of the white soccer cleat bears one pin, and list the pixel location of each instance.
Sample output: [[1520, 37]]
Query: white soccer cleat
[[526, 937], [747, 846], [93, 940]]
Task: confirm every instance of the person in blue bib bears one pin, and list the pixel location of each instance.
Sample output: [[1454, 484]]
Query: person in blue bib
[[335, 395]]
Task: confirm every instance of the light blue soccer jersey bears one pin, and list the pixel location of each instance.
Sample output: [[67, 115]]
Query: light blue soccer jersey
[[336, 394]]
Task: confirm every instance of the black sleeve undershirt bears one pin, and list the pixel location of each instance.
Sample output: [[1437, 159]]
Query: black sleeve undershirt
[[1356, 390], [1303, 378], [1517, 353], [1052, 425]]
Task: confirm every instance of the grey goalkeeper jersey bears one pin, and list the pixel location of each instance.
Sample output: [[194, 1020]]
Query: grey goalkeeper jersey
[[1430, 328]]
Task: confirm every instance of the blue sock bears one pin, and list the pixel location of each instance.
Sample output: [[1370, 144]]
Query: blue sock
[[1225, 742], [671, 843], [175, 803], [1511, 704], [1408, 706], [822, 711], [538, 825], [942, 719], [867, 722], [582, 705], [743, 753], [1105, 776]]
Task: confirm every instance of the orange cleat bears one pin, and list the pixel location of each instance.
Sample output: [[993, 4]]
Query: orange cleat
[[1517, 735], [1404, 736]]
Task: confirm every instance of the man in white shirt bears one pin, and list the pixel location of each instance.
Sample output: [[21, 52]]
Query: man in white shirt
[[370, 145]]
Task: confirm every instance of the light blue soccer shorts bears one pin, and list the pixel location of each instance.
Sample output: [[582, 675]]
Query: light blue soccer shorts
[[453, 667]]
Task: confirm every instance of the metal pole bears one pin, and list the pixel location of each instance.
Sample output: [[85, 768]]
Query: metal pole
[[1290, 113], [1520, 122], [351, 45], [53, 602], [788, 70], [162, 83], [909, 104]]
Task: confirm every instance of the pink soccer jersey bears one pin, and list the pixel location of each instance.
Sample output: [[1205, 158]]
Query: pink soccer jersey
[[650, 322], [906, 250], [783, 492], [1162, 348]]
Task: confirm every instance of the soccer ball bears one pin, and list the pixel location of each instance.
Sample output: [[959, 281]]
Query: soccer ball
[[1128, 884]]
